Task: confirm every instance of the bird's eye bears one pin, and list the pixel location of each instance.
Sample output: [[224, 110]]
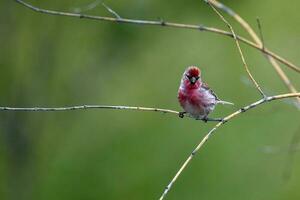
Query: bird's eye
[[197, 77]]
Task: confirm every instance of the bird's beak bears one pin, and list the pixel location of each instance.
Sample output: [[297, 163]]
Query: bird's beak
[[193, 80]]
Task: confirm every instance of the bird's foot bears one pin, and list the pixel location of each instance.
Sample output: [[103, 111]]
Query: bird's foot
[[207, 119], [181, 114]]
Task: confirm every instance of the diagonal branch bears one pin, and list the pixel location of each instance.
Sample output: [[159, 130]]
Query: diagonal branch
[[255, 44], [239, 48], [210, 133], [258, 41], [164, 24]]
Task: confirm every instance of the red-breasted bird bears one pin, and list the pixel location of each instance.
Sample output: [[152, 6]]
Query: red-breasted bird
[[195, 97]]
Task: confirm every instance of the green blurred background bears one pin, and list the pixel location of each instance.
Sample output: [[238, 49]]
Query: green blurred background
[[106, 154]]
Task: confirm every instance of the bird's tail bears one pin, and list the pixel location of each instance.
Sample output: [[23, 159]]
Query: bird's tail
[[224, 102]]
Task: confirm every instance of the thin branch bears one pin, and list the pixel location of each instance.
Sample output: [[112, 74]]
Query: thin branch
[[165, 24], [109, 107], [255, 44], [239, 48], [258, 42], [87, 107], [210, 133]]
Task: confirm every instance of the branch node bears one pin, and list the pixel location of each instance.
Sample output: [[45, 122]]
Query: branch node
[[162, 22], [201, 27], [265, 97], [224, 121]]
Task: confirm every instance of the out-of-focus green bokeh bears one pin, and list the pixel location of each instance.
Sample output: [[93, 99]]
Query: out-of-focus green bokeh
[[105, 154]]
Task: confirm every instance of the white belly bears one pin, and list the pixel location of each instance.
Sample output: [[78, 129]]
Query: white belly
[[198, 111]]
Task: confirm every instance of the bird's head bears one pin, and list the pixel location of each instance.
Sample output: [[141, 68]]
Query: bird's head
[[192, 76]]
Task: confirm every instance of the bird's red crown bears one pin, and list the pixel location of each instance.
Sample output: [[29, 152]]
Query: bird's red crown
[[193, 71]]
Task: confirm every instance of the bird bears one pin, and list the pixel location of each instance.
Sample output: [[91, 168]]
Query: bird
[[195, 96]]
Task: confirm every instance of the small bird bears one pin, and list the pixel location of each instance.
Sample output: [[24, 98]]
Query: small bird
[[195, 97]]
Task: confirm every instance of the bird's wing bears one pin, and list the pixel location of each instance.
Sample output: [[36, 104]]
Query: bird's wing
[[206, 87]]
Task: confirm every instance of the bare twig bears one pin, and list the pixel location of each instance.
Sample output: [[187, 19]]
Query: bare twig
[[258, 42], [226, 119], [239, 48], [90, 107], [244, 109], [164, 24], [87, 107]]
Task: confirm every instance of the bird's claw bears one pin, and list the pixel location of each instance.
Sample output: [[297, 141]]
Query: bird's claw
[[223, 120], [205, 119], [181, 114]]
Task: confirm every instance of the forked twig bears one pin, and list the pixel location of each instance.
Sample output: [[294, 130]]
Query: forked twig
[[164, 24], [258, 42], [226, 119], [239, 48]]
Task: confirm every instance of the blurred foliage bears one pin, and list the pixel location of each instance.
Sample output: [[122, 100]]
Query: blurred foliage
[[59, 61]]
